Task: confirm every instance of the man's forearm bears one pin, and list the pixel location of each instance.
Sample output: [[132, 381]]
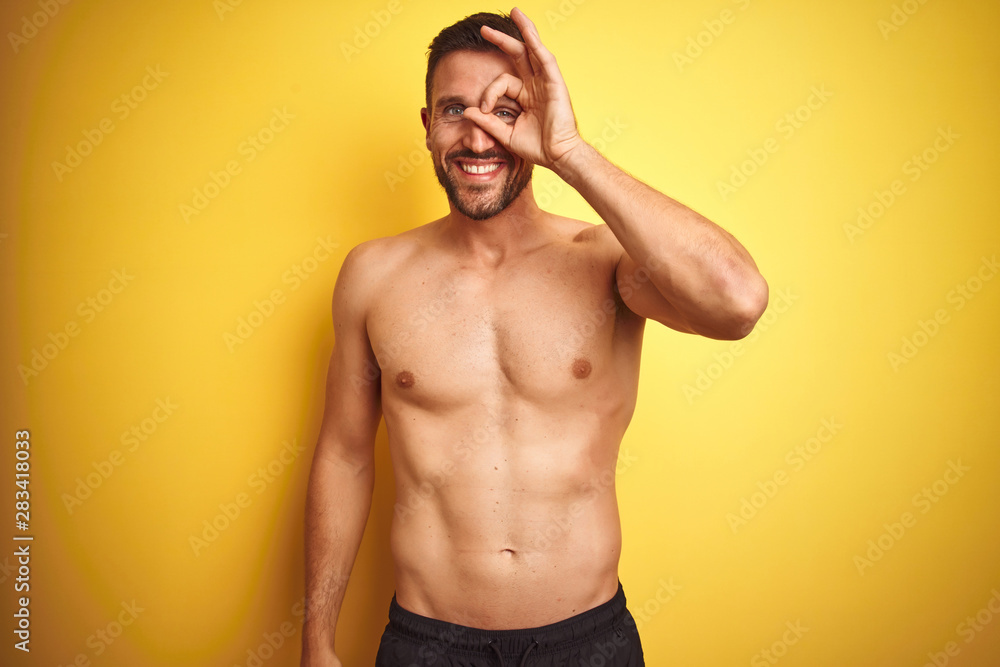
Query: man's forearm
[[695, 264], [338, 501]]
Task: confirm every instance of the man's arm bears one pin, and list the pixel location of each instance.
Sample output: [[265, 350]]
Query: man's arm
[[676, 266], [343, 468]]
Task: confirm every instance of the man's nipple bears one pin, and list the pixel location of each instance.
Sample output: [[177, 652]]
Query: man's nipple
[[405, 379], [581, 368]]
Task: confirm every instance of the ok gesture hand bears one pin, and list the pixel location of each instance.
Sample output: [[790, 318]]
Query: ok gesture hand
[[545, 131]]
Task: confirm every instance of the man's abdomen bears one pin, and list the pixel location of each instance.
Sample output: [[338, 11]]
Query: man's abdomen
[[505, 520]]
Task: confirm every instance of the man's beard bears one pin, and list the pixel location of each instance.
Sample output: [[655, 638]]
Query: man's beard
[[480, 201]]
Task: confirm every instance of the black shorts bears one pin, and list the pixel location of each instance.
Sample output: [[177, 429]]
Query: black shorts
[[605, 636]]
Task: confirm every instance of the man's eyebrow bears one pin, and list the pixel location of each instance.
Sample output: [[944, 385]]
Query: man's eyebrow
[[503, 99], [453, 99]]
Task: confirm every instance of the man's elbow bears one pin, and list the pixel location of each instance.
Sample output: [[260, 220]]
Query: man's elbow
[[342, 454], [748, 304]]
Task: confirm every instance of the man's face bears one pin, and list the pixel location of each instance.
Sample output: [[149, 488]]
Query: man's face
[[480, 177]]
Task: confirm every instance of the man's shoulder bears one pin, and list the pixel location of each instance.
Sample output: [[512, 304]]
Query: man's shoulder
[[390, 248], [373, 254], [597, 238], [371, 260]]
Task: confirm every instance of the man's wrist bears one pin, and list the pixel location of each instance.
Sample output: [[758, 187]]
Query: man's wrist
[[575, 164], [318, 651], [317, 638]]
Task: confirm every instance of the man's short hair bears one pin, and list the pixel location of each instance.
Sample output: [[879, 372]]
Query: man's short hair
[[467, 36]]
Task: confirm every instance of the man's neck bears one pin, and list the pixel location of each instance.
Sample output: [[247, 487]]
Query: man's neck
[[518, 228]]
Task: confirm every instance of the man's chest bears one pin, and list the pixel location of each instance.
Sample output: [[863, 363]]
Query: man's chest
[[455, 332]]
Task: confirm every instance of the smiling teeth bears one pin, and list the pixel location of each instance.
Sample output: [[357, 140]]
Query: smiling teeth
[[484, 169]]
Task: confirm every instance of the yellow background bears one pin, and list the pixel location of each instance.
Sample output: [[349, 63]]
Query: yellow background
[[850, 300]]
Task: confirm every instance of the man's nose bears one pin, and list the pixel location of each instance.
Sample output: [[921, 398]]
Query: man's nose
[[477, 139]]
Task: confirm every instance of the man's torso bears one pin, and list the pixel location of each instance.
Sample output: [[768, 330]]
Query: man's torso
[[506, 391]]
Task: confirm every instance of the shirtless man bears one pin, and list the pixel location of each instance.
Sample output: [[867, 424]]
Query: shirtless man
[[502, 345]]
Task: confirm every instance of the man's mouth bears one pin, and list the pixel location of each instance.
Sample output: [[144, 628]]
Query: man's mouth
[[480, 168], [481, 171]]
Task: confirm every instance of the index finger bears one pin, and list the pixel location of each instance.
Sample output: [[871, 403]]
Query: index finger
[[536, 50], [513, 47]]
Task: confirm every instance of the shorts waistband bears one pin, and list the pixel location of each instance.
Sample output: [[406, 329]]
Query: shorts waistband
[[445, 636]]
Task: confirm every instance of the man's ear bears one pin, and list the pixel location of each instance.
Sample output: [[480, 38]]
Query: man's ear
[[425, 118]]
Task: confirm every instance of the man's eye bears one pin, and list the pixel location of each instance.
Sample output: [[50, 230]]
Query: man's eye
[[506, 115], [454, 111]]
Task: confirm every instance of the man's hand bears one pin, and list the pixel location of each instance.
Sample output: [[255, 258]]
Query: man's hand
[[545, 131]]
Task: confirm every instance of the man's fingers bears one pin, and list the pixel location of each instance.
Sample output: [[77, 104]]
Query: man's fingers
[[531, 58], [540, 57], [513, 48], [493, 126], [504, 85]]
